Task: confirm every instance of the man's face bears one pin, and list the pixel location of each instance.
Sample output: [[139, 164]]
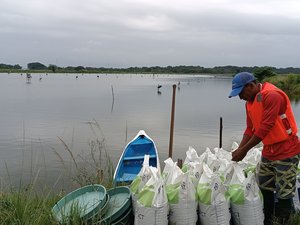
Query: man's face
[[247, 93]]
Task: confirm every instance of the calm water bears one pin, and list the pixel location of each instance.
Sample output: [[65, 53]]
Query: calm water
[[35, 115]]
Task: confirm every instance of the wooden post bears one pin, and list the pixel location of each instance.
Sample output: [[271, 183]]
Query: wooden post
[[172, 122], [221, 128]]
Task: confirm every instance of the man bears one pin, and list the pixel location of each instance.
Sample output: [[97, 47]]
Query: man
[[270, 120]]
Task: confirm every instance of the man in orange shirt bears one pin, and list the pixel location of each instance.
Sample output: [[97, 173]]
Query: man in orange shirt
[[270, 120]]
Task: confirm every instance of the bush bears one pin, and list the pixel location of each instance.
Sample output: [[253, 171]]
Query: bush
[[263, 72]]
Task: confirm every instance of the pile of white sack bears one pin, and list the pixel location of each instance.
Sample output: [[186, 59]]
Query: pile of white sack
[[209, 188]]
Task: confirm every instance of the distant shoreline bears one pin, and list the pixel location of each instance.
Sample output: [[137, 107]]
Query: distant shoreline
[[228, 70], [111, 73]]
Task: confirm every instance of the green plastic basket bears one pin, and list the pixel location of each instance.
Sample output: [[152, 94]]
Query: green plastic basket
[[86, 202], [119, 204]]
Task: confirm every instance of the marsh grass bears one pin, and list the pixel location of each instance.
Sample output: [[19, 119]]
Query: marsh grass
[[94, 166], [289, 83], [27, 206], [72, 216]]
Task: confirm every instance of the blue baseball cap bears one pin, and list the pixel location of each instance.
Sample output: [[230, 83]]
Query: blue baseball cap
[[239, 81]]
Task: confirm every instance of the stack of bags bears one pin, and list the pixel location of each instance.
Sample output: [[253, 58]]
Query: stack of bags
[[210, 188]]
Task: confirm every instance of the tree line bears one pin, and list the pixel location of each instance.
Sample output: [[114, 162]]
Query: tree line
[[182, 69]]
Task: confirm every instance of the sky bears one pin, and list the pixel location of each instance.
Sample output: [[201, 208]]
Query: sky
[[125, 33]]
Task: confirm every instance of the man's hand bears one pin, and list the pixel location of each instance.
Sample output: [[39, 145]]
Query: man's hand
[[238, 154]]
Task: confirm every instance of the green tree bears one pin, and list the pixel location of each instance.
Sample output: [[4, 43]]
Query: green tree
[[6, 66], [17, 66], [264, 72], [53, 68], [79, 68], [36, 66]]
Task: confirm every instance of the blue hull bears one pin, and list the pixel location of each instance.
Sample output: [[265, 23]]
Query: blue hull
[[132, 159]]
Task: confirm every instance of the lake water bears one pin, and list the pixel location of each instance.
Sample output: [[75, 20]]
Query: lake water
[[39, 117]]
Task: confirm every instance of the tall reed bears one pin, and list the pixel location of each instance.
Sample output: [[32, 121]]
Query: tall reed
[[25, 205], [94, 167]]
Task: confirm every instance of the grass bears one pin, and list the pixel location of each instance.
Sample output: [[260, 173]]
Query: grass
[[24, 207], [28, 205]]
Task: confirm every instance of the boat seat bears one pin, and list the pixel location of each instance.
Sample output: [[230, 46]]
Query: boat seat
[[138, 157], [127, 177]]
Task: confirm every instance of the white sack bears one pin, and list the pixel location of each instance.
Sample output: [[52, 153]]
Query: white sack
[[139, 182], [152, 204], [191, 155], [182, 201], [246, 199], [213, 201]]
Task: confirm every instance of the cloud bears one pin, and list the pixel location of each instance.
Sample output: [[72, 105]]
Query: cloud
[[125, 33]]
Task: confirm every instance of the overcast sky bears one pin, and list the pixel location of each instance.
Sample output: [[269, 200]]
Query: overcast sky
[[124, 33]]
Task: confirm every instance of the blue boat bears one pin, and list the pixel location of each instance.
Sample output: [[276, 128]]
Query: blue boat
[[132, 158]]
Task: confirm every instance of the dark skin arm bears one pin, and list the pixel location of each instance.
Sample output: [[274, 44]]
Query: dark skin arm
[[245, 139], [246, 144]]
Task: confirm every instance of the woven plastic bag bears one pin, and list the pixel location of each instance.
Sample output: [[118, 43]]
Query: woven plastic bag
[[152, 203], [181, 193], [191, 156], [245, 198], [213, 199], [139, 182]]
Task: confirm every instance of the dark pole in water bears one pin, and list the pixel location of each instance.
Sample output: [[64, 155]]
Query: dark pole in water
[[221, 128], [113, 98], [172, 122]]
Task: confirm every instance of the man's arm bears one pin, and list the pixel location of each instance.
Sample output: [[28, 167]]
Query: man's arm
[[246, 144], [244, 141]]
